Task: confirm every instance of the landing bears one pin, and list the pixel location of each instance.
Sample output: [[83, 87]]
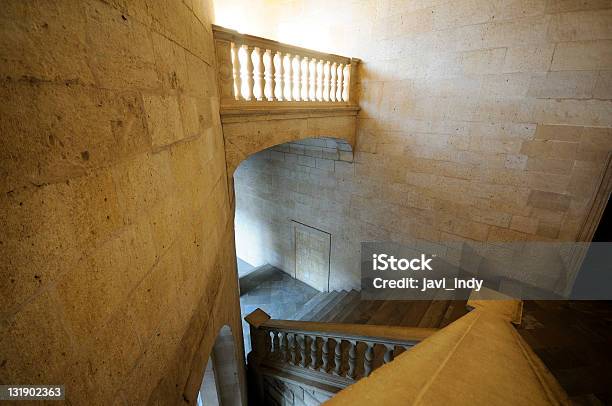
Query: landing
[[273, 291]]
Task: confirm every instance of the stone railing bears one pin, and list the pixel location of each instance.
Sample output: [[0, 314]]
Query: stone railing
[[327, 354], [257, 71]]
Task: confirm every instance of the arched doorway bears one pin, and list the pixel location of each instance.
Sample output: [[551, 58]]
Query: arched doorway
[[220, 384]]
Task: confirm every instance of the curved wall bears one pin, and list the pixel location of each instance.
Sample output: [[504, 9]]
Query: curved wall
[[116, 238]]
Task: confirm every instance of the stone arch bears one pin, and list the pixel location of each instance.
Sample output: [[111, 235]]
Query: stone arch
[[246, 133], [221, 380]]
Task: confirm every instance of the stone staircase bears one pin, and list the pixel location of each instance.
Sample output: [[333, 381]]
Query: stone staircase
[[347, 307]]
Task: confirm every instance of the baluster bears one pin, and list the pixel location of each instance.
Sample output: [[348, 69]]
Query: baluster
[[268, 61], [303, 359], [388, 353], [337, 357], [334, 74], [352, 357], [247, 73], [292, 348], [258, 73], [340, 86], [325, 353], [304, 67], [287, 68], [275, 343], [283, 346], [347, 80], [297, 78], [320, 80], [277, 60], [368, 359], [312, 88], [313, 352], [236, 72], [326, 79]]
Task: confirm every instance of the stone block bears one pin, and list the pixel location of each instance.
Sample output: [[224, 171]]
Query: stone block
[[580, 26], [325, 164], [163, 119], [550, 149], [45, 120], [528, 225], [549, 200], [528, 59], [563, 85], [52, 46], [171, 62], [582, 55], [603, 87], [123, 56]]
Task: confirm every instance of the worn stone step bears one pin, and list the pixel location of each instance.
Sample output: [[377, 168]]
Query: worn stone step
[[365, 313], [413, 314], [348, 304], [383, 313], [315, 309], [316, 299], [331, 306]]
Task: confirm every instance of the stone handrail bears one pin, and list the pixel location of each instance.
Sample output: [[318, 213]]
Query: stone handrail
[[257, 71], [333, 354]]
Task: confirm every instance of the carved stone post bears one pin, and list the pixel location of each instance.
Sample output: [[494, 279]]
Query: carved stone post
[[388, 353], [258, 74], [352, 92], [277, 61], [286, 60], [325, 354], [332, 89], [236, 67], [352, 357], [313, 352], [292, 347], [283, 347], [368, 359], [297, 78], [303, 359], [305, 77], [269, 75], [259, 350], [338, 357], [340, 86], [248, 72], [326, 80]]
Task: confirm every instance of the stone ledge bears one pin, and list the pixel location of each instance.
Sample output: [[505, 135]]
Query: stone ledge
[[281, 111]]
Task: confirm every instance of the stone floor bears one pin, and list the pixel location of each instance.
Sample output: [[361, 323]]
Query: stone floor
[[273, 291]]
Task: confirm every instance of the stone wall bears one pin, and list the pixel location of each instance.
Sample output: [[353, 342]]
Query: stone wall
[[307, 182], [116, 235], [481, 120]]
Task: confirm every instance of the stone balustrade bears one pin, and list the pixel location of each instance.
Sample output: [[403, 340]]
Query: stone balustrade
[[254, 70], [333, 355]]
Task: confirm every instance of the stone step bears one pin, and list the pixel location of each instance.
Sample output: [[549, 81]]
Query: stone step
[[308, 316], [347, 305], [365, 311], [434, 314], [331, 306], [383, 313], [316, 299], [413, 315], [348, 311]]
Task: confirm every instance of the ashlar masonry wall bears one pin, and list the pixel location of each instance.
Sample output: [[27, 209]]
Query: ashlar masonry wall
[[117, 262], [480, 120]]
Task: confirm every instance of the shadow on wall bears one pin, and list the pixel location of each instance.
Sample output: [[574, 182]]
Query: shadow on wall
[[285, 184], [220, 385]]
